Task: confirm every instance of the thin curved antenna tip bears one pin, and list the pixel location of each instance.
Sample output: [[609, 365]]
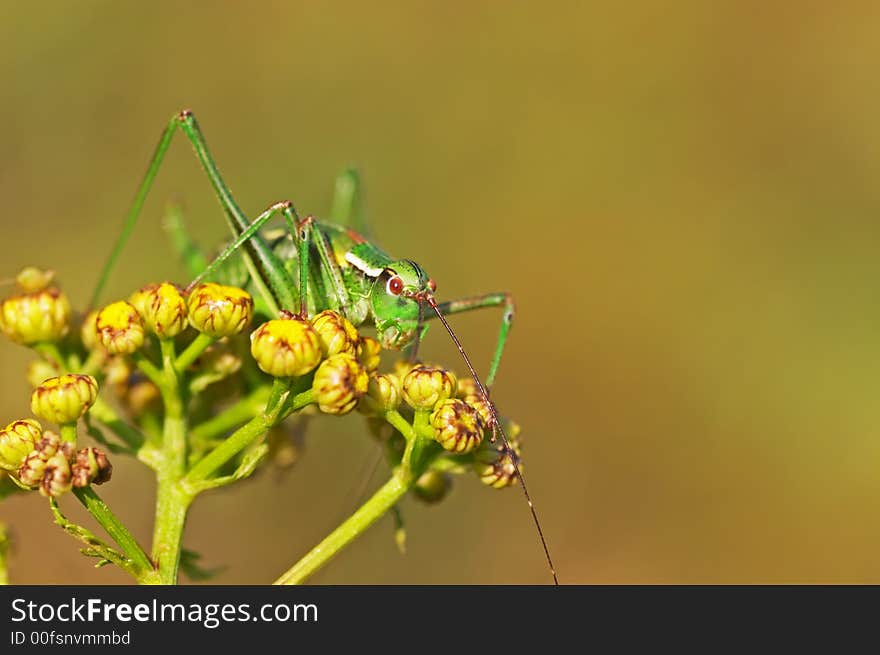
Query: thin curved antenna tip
[[497, 428]]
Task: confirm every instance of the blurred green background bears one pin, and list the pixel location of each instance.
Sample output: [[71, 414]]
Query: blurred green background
[[681, 196]]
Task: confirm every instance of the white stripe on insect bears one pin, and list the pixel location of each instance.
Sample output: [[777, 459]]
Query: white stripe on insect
[[361, 265]]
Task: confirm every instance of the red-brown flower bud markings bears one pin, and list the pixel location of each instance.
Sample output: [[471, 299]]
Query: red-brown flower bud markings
[[65, 398], [120, 328], [17, 440], [30, 318], [456, 426], [339, 383], [91, 467], [286, 347], [218, 310], [162, 308], [425, 386]]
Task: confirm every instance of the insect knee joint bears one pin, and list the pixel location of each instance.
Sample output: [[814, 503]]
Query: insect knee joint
[[284, 204], [510, 308], [301, 225]]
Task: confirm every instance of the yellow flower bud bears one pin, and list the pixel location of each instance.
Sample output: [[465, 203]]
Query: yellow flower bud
[[142, 396], [483, 411], [162, 308], [494, 464], [88, 332], [383, 394], [286, 347], [38, 370], [32, 279], [368, 353], [339, 383], [218, 310], [91, 467], [117, 372], [425, 386], [32, 468], [35, 317], [65, 398], [220, 361], [432, 486], [120, 328], [57, 476], [401, 367], [467, 390], [456, 426], [286, 446], [17, 440], [336, 332]]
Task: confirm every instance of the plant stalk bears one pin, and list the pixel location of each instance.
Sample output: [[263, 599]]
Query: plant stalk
[[277, 407], [117, 531], [383, 500], [172, 501]]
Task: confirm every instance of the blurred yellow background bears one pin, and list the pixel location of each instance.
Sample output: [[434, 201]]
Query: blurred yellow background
[[681, 196]]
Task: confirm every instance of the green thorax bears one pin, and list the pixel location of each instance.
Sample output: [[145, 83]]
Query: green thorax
[[369, 278]]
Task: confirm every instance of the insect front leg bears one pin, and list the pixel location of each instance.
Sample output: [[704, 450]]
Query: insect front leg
[[480, 302]]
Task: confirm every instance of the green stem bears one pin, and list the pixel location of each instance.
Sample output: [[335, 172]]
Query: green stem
[[102, 412], [235, 415], [51, 353], [172, 501], [172, 504], [151, 425], [148, 368], [249, 432], [295, 404], [407, 458], [424, 439], [114, 527], [400, 424], [413, 463], [234, 444], [193, 352], [68, 433], [383, 500], [422, 424], [4, 549]]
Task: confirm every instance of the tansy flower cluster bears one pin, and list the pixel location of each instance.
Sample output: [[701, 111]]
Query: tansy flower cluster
[[185, 382], [340, 365]]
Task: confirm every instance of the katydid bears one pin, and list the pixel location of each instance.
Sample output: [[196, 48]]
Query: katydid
[[315, 265]]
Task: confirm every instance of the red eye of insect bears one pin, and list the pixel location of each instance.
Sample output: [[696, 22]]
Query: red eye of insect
[[395, 286]]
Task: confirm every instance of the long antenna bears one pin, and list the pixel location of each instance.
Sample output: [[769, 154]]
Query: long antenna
[[414, 350], [496, 427]]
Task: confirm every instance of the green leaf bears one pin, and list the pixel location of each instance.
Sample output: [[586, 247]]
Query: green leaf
[[189, 565], [95, 547]]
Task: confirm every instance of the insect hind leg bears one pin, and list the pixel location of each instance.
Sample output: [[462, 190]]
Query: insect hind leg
[[257, 250]]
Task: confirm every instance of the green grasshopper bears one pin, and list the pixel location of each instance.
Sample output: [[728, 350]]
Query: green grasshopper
[[318, 265]]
